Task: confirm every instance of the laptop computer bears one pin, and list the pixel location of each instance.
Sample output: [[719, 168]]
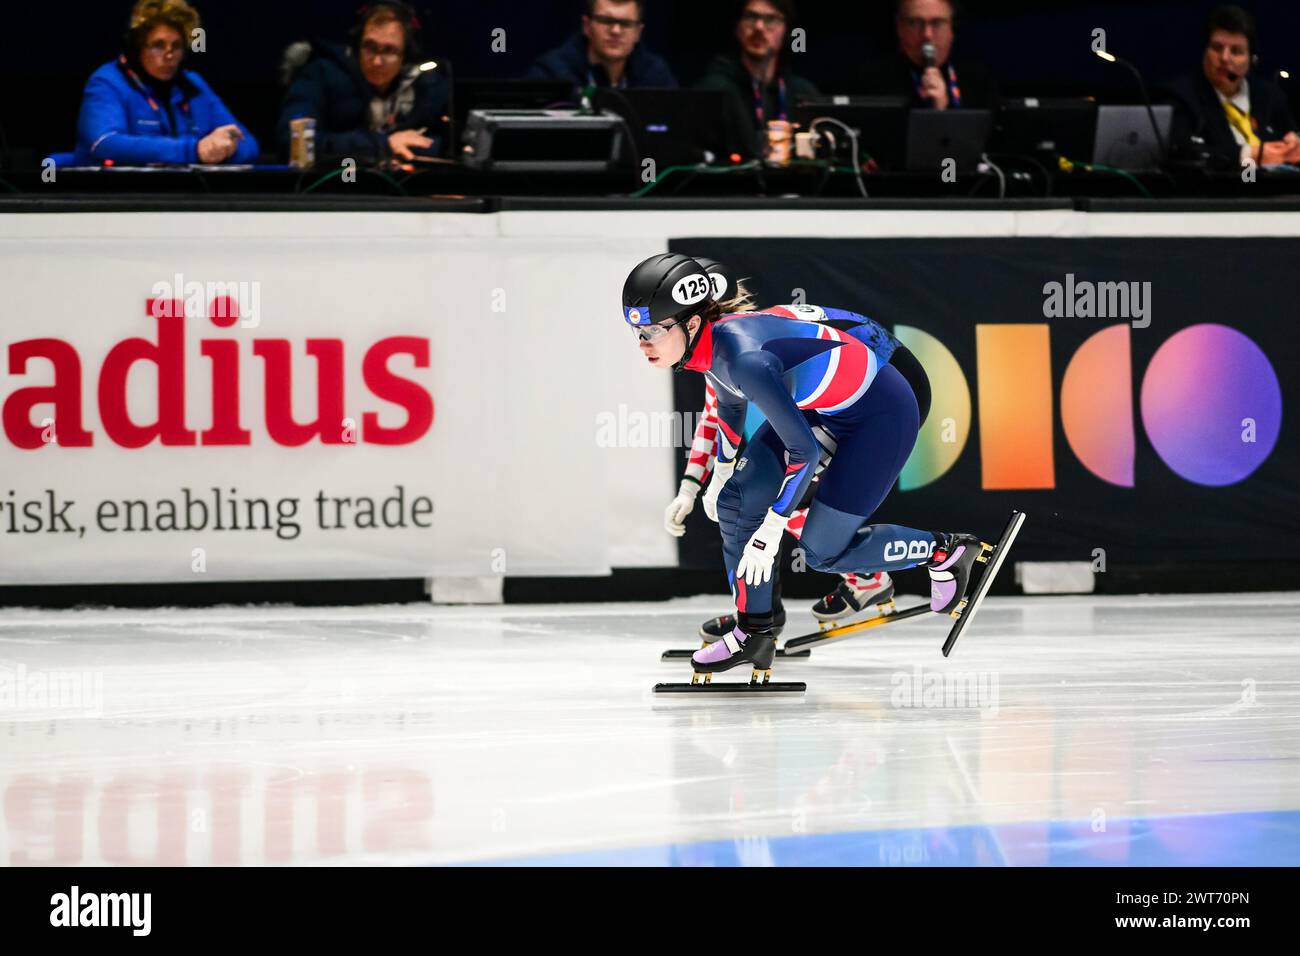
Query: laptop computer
[[881, 123], [673, 127], [935, 136], [1126, 140]]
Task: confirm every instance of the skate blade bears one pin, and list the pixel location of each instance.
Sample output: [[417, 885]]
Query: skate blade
[[680, 654], [809, 641], [883, 609], [734, 687], [965, 611]]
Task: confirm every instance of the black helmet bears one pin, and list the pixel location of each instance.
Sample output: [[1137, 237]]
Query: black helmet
[[724, 281], [664, 287]]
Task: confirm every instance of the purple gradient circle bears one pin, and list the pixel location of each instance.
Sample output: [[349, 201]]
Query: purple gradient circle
[[1200, 386]]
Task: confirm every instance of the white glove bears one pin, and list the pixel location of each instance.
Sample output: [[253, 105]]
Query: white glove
[[760, 554], [721, 472], [680, 507]]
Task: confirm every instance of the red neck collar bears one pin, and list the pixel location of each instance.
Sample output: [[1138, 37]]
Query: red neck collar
[[702, 355]]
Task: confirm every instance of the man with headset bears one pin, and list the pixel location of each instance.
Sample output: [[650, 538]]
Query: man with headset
[[371, 100], [1222, 115]]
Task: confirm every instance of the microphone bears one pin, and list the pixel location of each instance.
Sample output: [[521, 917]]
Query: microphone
[[927, 55], [1234, 77]]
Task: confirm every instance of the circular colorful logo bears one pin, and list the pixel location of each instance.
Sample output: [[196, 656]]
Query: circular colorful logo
[[1211, 404]]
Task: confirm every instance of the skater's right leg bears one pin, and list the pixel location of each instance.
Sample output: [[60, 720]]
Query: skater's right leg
[[870, 453]]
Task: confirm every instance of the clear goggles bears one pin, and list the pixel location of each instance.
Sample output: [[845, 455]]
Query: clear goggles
[[652, 333]]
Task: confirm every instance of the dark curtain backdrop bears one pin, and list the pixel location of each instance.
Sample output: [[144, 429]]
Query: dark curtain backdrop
[[47, 52]]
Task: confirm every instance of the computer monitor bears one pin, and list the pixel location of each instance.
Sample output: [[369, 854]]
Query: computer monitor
[[1045, 128], [1126, 139]]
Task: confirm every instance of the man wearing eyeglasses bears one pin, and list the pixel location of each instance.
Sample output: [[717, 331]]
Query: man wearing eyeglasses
[[606, 52], [757, 78], [143, 108], [375, 100], [923, 68]]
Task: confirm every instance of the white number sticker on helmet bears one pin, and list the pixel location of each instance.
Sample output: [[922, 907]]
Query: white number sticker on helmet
[[809, 313], [719, 286], [692, 289]]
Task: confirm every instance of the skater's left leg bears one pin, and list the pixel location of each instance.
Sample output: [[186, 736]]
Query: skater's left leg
[[742, 506], [717, 627]]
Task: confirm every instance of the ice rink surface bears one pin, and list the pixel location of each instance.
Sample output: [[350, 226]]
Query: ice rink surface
[[1062, 731]]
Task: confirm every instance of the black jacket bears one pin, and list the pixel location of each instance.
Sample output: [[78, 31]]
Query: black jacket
[[895, 75], [741, 130], [330, 88], [1198, 114], [568, 61]]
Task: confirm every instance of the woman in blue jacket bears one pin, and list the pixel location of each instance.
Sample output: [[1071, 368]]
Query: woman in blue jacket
[[143, 108]]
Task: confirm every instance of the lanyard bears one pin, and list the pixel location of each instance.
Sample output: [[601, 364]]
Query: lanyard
[[760, 114]]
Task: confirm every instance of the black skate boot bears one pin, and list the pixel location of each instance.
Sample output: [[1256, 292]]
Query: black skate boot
[[854, 593], [752, 642], [950, 569], [715, 628]]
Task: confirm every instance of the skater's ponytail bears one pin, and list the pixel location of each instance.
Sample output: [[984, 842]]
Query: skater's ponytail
[[742, 301], [711, 312]]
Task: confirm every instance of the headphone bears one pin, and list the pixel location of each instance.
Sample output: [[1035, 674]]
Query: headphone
[[404, 13]]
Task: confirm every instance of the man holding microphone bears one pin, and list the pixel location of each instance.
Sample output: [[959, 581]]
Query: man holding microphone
[[922, 69]]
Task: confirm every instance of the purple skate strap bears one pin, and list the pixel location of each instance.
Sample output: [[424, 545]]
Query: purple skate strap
[[721, 650]]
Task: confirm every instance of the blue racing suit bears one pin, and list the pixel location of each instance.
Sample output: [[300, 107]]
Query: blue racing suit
[[806, 377]]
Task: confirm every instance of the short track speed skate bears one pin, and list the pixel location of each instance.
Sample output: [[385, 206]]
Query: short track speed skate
[[715, 628], [757, 649], [991, 556]]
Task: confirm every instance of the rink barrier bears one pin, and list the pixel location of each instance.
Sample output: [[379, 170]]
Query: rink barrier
[[473, 283]]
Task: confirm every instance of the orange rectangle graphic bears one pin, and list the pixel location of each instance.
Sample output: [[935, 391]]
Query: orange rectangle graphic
[[1014, 375]]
